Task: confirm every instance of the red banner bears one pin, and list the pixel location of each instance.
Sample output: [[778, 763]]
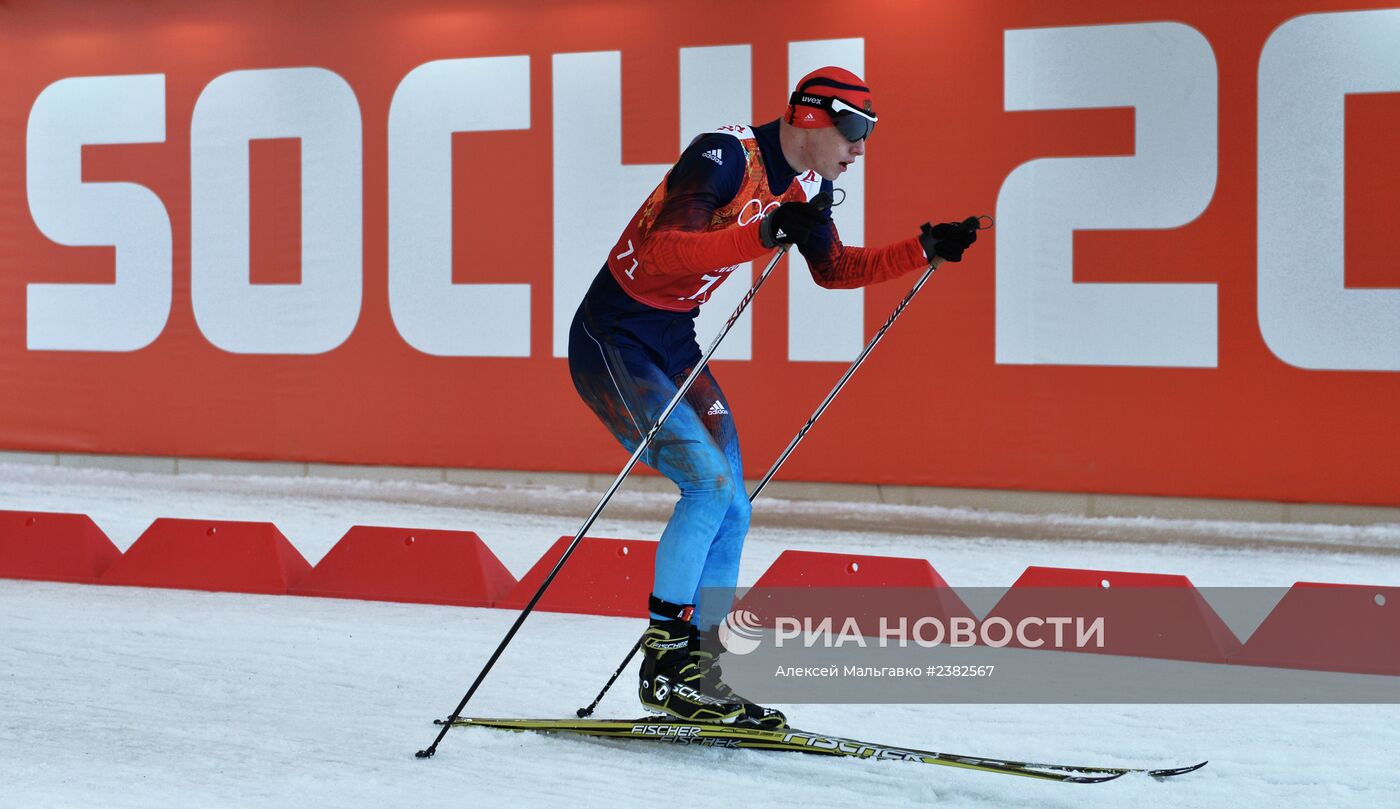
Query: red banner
[[356, 233]]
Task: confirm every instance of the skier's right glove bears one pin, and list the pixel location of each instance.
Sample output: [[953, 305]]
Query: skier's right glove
[[793, 222], [949, 239]]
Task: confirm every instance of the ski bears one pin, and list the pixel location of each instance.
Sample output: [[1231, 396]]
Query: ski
[[709, 734]]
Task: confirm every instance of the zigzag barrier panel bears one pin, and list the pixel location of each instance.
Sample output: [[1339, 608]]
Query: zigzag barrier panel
[[411, 565], [53, 547], [1329, 627], [239, 557], [602, 577], [1316, 626], [817, 569], [880, 594], [1143, 614]]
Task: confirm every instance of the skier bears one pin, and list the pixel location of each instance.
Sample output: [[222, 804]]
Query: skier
[[735, 194]]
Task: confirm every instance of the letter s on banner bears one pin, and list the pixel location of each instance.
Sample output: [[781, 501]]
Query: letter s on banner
[[130, 314], [1166, 72], [318, 107]]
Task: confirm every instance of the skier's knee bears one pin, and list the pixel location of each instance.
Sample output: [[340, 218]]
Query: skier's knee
[[721, 492], [713, 481]]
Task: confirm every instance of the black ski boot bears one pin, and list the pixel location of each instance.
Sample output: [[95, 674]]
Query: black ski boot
[[670, 680], [705, 650]]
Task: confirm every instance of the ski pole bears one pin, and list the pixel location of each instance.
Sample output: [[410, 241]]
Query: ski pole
[[841, 383], [870, 346], [588, 523]]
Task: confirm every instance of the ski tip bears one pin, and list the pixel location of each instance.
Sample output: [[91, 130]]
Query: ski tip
[[1176, 771]]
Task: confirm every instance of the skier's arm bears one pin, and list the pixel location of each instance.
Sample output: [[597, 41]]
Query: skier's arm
[[837, 266], [697, 186]]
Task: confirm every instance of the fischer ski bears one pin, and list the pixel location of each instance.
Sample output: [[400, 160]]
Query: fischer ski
[[711, 734]]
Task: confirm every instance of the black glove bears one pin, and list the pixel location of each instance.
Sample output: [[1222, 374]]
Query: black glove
[[949, 239], [793, 222]]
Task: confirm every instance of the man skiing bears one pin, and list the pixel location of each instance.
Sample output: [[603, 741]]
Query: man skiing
[[735, 194]]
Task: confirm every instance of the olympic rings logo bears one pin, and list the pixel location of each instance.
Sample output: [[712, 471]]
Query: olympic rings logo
[[760, 211]]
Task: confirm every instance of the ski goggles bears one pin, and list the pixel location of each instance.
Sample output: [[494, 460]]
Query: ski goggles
[[854, 123]]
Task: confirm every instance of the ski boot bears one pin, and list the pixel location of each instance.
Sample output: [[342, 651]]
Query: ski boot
[[705, 650], [670, 681]]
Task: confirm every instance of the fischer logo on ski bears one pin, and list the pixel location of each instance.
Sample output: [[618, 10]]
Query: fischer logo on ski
[[658, 729]]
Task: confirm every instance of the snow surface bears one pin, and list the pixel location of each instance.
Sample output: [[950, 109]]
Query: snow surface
[[130, 697]]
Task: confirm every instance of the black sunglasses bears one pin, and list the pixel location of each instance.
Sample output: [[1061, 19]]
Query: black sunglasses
[[854, 123]]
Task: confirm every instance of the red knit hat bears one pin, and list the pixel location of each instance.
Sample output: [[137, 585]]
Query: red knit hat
[[828, 94]]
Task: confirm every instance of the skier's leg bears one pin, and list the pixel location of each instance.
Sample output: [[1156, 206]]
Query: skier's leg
[[627, 390], [623, 384], [714, 594]]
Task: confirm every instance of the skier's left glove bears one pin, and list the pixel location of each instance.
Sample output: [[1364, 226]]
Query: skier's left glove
[[949, 239]]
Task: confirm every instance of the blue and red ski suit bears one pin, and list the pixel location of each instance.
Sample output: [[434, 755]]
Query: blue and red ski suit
[[632, 341]]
